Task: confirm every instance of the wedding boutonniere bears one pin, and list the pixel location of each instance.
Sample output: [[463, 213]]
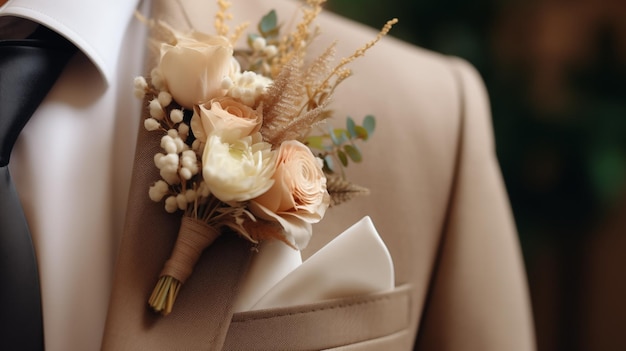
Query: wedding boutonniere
[[244, 146]]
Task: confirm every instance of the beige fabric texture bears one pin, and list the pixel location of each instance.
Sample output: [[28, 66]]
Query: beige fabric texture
[[437, 199]]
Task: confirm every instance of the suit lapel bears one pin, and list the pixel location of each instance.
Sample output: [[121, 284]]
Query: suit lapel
[[203, 310]]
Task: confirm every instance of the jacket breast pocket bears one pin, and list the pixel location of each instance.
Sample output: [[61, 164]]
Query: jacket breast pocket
[[354, 323]]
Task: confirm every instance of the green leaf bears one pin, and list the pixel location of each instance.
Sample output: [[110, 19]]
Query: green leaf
[[272, 36], [334, 137], [350, 125], [251, 38], [369, 123], [338, 136], [353, 152], [344, 137], [342, 157], [316, 142], [361, 133], [268, 22], [329, 163]]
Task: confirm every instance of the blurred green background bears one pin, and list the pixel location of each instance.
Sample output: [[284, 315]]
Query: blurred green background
[[556, 74]]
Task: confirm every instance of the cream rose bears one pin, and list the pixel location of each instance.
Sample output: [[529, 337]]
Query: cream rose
[[298, 196], [194, 68], [226, 117], [239, 170]]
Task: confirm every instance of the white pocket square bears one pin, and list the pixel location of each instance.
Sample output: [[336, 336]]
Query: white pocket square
[[356, 262]]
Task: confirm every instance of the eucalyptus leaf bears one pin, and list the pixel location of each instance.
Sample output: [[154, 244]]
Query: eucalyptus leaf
[[369, 123], [342, 157], [272, 36], [268, 22], [344, 136], [329, 164], [350, 125], [361, 132], [251, 38], [334, 137], [353, 152], [316, 142], [338, 136]]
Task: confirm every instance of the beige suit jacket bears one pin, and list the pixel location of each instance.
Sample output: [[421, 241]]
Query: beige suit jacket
[[437, 198]]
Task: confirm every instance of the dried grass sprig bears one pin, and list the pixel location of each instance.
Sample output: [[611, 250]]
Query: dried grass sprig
[[296, 128], [234, 37], [316, 75], [284, 96], [293, 46], [289, 112], [222, 15], [160, 32], [341, 190], [340, 72]]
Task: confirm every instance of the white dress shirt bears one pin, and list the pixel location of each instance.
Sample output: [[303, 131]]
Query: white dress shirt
[[71, 164]]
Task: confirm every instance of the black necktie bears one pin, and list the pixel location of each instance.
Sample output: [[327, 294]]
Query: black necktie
[[28, 69]]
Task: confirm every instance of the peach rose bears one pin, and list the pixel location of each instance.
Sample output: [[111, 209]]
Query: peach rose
[[194, 68], [298, 196], [226, 117]]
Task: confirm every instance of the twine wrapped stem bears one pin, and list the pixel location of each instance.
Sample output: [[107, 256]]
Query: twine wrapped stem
[[193, 237]]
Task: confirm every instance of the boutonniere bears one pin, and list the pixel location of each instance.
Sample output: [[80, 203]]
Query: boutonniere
[[244, 146]]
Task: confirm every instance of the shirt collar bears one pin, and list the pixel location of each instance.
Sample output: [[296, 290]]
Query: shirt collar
[[96, 27]]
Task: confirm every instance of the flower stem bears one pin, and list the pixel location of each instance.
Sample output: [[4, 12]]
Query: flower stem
[[164, 295], [193, 237]]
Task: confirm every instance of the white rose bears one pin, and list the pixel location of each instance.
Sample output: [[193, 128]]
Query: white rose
[[193, 69], [239, 170]]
